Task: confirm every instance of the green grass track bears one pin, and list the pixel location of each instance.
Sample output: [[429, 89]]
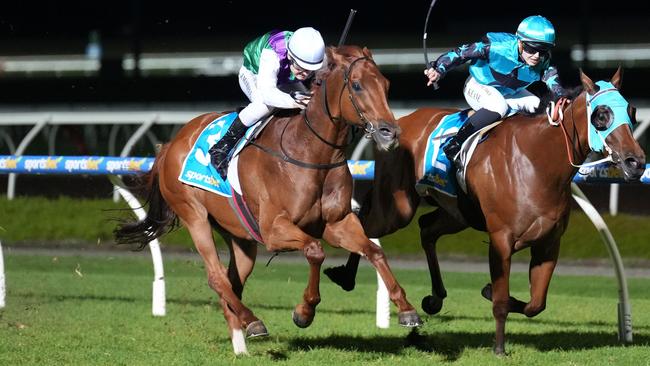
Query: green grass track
[[96, 310]]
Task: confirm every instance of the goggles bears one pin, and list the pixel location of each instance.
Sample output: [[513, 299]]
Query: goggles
[[298, 68], [533, 48]]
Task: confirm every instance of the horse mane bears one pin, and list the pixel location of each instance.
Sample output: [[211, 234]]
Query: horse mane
[[333, 58]]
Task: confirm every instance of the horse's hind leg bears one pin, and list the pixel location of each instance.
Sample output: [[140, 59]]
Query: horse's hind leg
[[345, 276], [542, 264], [201, 233], [242, 261], [432, 226]]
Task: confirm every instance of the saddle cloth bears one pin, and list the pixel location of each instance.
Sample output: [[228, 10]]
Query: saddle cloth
[[438, 172], [197, 169]]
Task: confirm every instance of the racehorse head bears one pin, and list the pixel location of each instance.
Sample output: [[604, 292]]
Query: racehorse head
[[355, 91], [610, 119]]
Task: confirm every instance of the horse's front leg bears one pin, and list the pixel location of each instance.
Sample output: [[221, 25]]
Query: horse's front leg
[[304, 313], [285, 235], [348, 233], [500, 260], [542, 264]]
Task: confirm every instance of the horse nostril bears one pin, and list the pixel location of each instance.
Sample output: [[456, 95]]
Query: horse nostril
[[633, 163]]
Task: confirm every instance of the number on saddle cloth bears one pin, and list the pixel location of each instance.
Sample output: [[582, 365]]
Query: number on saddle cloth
[[197, 169], [438, 171]]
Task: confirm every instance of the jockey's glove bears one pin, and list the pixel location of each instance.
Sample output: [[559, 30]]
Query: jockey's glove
[[301, 98]]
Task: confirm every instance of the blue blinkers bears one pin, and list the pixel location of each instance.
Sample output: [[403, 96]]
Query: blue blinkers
[[606, 111]]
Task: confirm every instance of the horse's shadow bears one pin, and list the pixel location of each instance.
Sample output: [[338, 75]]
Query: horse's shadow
[[451, 345]]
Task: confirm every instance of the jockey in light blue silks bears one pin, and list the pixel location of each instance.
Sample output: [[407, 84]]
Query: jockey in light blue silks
[[274, 63], [502, 66]]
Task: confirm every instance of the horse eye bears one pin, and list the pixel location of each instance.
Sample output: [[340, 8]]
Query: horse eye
[[356, 86], [602, 117]]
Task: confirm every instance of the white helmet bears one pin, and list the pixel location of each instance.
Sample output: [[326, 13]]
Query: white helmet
[[307, 48]]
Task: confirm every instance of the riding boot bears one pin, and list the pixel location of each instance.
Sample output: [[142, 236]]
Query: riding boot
[[478, 120], [452, 147], [219, 152]]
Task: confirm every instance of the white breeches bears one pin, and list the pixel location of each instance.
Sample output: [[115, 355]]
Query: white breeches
[[484, 96], [256, 110]]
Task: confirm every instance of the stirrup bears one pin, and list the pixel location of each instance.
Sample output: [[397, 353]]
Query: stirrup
[[222, 168], [451, 150]]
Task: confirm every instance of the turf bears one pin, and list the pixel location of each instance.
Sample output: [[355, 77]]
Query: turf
[[90, 310]]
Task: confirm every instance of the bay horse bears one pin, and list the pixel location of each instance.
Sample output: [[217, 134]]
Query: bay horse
[[518, 191], [296, 184]]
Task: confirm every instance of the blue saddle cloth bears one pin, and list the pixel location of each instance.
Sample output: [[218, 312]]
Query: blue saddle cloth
[[197, 170], [439, 172]]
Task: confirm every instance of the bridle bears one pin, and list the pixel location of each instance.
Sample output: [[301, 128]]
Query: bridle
[[570, 142], [368, 127]]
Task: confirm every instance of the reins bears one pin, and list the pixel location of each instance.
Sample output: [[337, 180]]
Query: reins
[[369, 128], [570, 145]]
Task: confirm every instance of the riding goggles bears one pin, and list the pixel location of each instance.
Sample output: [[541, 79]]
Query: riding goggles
[[535, 47]]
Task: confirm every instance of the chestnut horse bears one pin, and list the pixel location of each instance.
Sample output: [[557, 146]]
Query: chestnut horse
[[296, 184], [518, 191]]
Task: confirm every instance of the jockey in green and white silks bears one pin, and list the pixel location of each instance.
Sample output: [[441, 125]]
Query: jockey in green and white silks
[[276, 65], [502, 66]]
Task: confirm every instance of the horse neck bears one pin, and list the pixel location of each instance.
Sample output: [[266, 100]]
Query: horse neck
[[571, 138], [319, 129]]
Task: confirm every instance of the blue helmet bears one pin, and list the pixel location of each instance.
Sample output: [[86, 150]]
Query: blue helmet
[[536, 29]]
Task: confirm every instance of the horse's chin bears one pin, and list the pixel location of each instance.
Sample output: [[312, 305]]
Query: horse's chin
[[633, 168], [632, 175], [386, 144]]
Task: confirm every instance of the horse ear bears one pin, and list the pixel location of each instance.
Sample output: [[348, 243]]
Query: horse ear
[[367, 53], [617, 79], [587, 83]]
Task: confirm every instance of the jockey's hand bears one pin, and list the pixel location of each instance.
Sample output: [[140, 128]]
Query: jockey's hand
[[301, 98], [433, 75]]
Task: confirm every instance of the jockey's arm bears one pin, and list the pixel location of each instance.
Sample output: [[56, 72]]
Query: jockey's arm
[[267, 80], [460, 55], [552, 81]]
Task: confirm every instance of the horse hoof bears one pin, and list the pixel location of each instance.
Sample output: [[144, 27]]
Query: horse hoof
[[432, 304], [299, 321], [339, 275], [409, 319], [256, 329], [486, 292]]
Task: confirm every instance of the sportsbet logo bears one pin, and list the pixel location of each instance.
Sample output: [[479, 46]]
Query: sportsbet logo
[[9, 163], [82, 164], [42, 164], [130, 165]]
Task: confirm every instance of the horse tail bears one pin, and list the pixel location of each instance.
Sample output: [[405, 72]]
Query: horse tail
[[160, 217]]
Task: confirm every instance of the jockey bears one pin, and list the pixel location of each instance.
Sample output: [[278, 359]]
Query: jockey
[[502, 66], [276, 68]]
